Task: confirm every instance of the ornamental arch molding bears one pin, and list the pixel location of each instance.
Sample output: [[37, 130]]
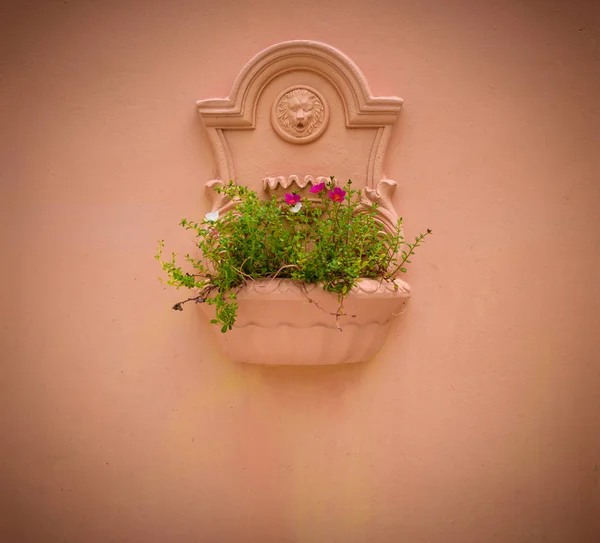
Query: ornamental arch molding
[[299, 110]]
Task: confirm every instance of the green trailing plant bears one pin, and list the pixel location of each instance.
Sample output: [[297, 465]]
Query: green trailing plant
[[328, 238]]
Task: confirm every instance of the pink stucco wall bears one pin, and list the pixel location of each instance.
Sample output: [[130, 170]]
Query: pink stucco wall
[[479, 421]]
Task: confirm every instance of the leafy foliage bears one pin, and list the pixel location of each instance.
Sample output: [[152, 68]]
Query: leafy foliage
[[329, 238]]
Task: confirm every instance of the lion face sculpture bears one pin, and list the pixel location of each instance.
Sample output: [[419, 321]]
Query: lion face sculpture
[[299, 112]]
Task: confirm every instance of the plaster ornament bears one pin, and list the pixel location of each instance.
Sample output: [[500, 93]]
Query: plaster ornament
[[300, 114]]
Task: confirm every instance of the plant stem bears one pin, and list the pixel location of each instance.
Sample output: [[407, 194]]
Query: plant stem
[[407, 255], [283, 267]]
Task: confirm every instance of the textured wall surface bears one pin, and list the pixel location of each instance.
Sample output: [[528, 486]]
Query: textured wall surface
[[479, 421]]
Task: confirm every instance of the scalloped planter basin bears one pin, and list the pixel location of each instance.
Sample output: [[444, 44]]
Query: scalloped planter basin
[[277, 324]]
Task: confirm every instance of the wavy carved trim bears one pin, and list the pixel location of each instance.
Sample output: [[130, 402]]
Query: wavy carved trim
[[369, 288], [271, 183]]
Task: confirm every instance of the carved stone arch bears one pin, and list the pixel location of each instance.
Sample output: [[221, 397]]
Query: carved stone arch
[[322, 66]]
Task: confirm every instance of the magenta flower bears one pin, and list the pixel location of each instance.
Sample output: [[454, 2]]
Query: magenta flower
[[337, 194], [315, 189], [292, 199]]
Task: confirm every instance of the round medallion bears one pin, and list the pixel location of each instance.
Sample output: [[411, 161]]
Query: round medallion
[[300, 114]]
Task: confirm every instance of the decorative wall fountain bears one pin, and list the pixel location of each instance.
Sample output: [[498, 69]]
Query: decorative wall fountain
[[299, 112]]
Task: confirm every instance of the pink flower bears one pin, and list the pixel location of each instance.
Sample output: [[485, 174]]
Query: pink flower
[[337, 194], [292, 199], [315, 189]]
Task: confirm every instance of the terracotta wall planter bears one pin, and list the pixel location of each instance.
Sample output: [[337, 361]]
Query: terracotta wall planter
[[298, 112], [283, 323]]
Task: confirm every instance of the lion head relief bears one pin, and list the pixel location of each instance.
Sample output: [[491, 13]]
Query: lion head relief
[[299, 113]]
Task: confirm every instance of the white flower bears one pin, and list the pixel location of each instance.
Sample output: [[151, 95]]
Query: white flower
[[296, 208], [212, 216]]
